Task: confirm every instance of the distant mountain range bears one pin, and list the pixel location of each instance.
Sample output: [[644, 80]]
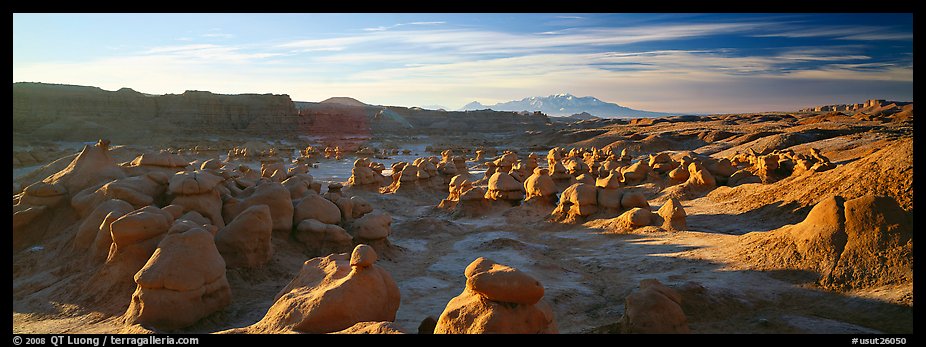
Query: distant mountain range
[[565, 105]]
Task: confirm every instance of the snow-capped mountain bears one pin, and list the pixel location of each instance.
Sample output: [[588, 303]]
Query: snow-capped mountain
[[564, 105], [475, 105]]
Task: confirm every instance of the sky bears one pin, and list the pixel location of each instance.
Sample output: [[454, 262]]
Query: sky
[[686, 63]]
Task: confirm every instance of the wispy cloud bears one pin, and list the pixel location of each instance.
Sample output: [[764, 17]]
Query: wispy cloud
[[219, 35], [474, 41], [209, 53], [383, 28], [840, 32]]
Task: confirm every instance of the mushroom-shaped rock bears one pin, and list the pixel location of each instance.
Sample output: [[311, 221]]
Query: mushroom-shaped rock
[[699, 178], [654, 309], [634, 218], [579, 199], [575, 167], [334, 191], [245, 241], [634, 199], [673, 215], [540, 186], [183, 282], [472, 203], [330, 295], [662, 162], [363, 175], [359, 207], [272, 194], [363, 256], [373, 226], [146, 223], [195, 191], [636, 172], [502, 283], [497, 299], [560, 172], [316, 207], [409, 173], [299, 185], [504, 187]]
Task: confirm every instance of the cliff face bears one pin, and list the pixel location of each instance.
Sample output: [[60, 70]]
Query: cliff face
[[322, 118], [64, 112], [77, 113]]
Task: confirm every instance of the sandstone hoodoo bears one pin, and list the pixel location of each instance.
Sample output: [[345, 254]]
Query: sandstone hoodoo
[[276, 196], [183, 282], [503, 187], [539, 186], [245, 242], [654, 309], [673, 215], [333, 293], [497, 299]]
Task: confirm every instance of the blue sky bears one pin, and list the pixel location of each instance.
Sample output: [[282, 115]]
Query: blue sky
[[702, 63]]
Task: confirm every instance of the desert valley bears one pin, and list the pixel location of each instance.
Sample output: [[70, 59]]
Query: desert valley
[[254, 213]]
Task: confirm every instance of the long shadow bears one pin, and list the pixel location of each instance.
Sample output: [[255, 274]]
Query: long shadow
[[769, 217], [716, 299]]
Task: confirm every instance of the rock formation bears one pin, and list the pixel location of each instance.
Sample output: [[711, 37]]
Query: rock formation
[[503, 187], [373, 229], [857, 243], [497, 299], [363, 175], [654, 309], [183, 282], [245, 241], [457, 186], [196, 191], [333, 293], [316, 207], [673, 215], [94, 233], [92, 166], [139, 191], [579, 200], [540, 187]]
